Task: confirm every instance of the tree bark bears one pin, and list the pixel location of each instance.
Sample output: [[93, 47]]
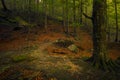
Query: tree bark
[[53, 10], [4, 6], [63, 11], [45, 10], [99, 56], [81, 11], [74, 16], [116, 18], [66, 15]]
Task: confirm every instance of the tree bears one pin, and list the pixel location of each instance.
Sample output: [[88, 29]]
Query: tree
[[4, 6], [52, 3], [74, 16], [63, 14], [66, 16], [45, 7], [116, 18], [81, 11], [99, 57]]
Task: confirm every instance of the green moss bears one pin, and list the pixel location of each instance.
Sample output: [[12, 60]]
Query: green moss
[[21, 21], [19, 58]]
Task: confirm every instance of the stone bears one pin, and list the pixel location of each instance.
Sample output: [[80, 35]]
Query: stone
[[63, 43]]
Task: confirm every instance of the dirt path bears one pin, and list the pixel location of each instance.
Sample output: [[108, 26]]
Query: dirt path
[[50, 63], [58, 67]]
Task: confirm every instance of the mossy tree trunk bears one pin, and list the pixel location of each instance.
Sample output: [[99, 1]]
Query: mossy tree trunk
[[99, 57]]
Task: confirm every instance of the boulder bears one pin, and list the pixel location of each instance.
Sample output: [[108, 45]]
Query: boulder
[[63, 43]]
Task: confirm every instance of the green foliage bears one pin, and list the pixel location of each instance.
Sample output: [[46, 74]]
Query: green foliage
[[21, 21], [76, 24]]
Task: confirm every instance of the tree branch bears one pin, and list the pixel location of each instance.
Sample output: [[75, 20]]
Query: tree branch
[[89, 17], [4, 6]]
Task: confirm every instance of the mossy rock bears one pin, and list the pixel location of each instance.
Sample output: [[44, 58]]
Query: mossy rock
[[19, 58]]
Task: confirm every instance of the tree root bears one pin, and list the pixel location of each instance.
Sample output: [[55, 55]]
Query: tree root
[[109, 65]]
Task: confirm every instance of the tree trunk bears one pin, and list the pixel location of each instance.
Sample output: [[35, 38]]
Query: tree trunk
[[53, 8], [74, 16], [116, 18], [86, 13], [81, 11], [99, 56], [63, 12], [108, 26], [45, 10], [66, 14]]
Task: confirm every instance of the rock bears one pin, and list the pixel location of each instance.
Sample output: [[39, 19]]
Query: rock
[[63, 43], [73, 48]]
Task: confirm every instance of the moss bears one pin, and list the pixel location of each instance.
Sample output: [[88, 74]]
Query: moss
[[21, 21], [19, 58]]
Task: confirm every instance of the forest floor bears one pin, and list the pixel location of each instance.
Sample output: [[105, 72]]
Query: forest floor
[[34, 56]]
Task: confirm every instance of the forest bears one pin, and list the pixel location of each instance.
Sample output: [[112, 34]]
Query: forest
[[59, 39]]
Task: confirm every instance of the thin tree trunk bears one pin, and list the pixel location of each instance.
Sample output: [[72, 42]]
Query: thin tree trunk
[[81, 11], [67, 24], [63, 8], [116, 17], [86, 13], [53, 8], [74, 16], [108, 27], [45, 10]]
